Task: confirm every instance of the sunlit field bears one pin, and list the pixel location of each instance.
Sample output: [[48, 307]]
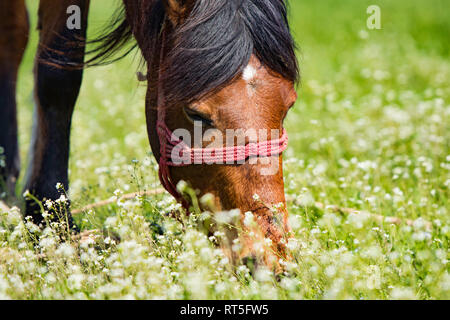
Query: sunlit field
[[366, 172]]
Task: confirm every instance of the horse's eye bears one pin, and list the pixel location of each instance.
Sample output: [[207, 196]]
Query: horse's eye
[[195, 116]]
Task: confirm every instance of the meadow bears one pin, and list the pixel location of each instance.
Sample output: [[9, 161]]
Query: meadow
[[369, 140]]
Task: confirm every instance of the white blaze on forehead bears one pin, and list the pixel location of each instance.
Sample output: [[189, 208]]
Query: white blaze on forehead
[[249, 73]]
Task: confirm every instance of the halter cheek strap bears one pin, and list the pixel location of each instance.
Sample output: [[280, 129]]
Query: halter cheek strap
[[201, 156], [164, 170]]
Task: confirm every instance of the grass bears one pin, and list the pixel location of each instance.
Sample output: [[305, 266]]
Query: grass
[[370, 132]]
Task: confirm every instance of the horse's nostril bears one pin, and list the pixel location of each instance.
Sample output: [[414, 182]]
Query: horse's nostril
[[251, 262]]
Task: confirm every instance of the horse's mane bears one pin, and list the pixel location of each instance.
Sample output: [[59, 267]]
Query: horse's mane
[[213, 45]]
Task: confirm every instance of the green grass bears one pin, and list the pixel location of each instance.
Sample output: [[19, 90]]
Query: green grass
[[370, 131]]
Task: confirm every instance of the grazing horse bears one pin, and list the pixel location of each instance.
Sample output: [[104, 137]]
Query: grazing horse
[[221, 66]]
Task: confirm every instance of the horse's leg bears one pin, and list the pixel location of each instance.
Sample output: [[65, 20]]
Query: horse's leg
[[13, 40], [56, 92]]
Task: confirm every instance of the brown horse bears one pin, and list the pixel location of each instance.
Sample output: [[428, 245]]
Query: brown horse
[[226, 65]]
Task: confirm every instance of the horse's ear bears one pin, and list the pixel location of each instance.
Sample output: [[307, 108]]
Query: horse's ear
[[178, 10]]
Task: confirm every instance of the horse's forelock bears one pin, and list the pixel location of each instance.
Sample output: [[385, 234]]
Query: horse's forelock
[[210, 48], [217, 40]]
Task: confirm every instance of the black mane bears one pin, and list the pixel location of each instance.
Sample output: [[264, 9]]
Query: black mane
[[212, 46]]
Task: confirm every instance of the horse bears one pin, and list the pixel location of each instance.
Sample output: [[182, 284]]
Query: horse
[[213, 65]]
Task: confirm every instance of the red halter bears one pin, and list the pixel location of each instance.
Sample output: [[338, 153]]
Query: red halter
[[196, 156], [201, 156]]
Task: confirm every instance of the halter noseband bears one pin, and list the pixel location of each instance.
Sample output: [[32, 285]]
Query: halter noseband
[[198, 156]]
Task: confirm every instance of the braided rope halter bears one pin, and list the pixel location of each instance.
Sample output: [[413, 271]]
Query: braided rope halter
[[201, 156]]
